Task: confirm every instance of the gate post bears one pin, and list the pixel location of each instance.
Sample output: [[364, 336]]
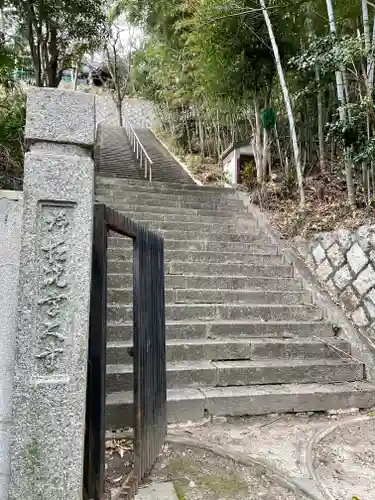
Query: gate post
[[54, 298]]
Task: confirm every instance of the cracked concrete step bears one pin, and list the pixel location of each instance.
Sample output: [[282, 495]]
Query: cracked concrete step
[[199, 256], [203, 268], [134, 207], [238, 349], [202, 245], [214, 296], [193, 329], [203, 282], [243, 373], [255, 312], [195, 404]]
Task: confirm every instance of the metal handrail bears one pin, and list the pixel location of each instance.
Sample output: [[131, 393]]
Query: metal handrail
[[145, 161]]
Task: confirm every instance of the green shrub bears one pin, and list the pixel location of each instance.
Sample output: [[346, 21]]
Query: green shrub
[[12, 123]]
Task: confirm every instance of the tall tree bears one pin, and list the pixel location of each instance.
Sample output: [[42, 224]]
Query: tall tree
[[54, 29], [342, 109], [288, 105]]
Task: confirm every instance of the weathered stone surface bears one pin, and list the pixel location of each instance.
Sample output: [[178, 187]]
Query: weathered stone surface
[[319, 254], [60, 116], [365, 280], [359, 317], [335, 255], [324, 270], [357, 258], [342, 277], [366, 237], [345, 239], [327, 239], [349, 299], [370, 308], [55, 276], [10, 243]]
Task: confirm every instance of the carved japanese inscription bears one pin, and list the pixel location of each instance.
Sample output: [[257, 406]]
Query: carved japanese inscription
[[53, 329]]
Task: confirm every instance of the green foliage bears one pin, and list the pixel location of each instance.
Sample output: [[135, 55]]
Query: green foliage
[[57, 32], [268, 118], [12, 122]]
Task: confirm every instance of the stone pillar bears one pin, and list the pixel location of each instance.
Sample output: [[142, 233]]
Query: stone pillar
[[54, 298], [10, 242]]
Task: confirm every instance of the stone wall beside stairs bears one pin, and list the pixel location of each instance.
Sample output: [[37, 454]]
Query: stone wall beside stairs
[[344, 262], [138, 112]]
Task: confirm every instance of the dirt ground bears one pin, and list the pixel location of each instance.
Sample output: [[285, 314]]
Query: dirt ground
[[327, 456]]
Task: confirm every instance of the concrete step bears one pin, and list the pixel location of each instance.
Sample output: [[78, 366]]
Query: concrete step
[[237, 349], [166, 203], [221, 329], [197, 196], [241, 220], [135, 207], [214, 282], [204, 268], [214, 296], [260, 312], [194, 404], [232, 237], [193, 256], [243, 373], [125, 185], [226, 227], [203, 245], [141, 186]]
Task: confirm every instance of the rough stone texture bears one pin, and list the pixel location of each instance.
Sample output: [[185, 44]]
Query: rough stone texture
[[359, 317], [365, 280], [55, 275], [357, 258], [342, 277], [60, 116], [336, 255], [324, 270], [10, 242], [352, 255], [319, 254]]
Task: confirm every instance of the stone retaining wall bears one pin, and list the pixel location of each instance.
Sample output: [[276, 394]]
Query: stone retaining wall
[[344, 262]]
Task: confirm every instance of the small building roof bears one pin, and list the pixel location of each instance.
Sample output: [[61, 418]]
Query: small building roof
[[233, 146]]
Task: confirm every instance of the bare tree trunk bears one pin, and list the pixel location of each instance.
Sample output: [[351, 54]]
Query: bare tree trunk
[[319, 96], [265, 154], [288, 104], [279, 148], [368, 45], [341, 98], [319, 102], [258, 140], [75, 79]]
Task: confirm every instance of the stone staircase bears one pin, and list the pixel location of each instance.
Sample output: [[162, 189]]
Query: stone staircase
[[243, 337], [113, 154], [165, 168]]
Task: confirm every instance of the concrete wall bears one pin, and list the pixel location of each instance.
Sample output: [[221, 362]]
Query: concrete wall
[[230, 166], [10, 241], [138, 112]]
